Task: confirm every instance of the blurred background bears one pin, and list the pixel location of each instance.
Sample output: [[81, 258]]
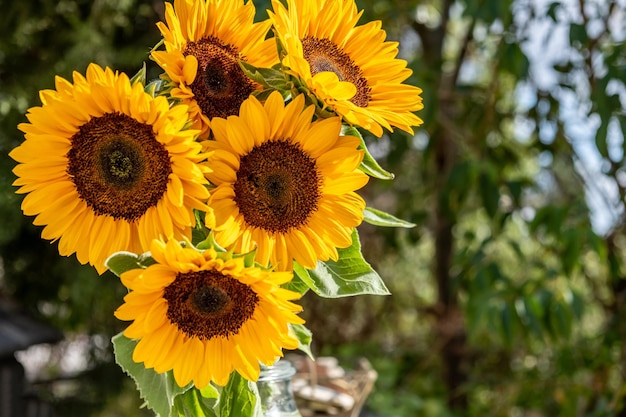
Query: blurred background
[[508, 298]]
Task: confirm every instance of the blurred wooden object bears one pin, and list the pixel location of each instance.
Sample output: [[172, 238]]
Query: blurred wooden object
[[324, 388]]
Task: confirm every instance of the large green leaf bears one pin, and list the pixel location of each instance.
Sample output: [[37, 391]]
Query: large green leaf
[[158, 390], [349, 275], [239, 398]]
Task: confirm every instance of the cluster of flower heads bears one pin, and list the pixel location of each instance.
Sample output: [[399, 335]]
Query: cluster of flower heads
[[110, 165]]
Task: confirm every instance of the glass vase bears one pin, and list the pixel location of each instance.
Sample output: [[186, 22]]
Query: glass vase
[[275, 390]]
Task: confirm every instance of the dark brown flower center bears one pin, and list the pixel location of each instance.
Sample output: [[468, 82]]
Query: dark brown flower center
[[208, 304], [323, 55], [220, 85], [277, 186], [118, 166]]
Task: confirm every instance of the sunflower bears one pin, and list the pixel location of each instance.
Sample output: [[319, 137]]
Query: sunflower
[[106, 167], [350, 68], [285, 184], [203, 315], [204, 42]]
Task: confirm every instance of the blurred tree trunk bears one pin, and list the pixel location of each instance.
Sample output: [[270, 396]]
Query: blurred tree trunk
[[450, 327]]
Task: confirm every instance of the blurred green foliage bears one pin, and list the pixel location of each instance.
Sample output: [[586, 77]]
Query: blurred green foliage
[[506, 300]]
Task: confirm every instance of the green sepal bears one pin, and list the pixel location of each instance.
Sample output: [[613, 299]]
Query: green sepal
[[349, 275], [369, 165], [304, 337], [120, 262], [140, 76], [158, 390], [270, 78], [200, 232], [248, 258], [209, 242], [239, 398], [380, 218], [155, 87]]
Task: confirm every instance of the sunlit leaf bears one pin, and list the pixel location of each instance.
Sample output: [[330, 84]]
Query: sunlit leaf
[[121, 262], [239, 398], [192, 403], [350, 275], [304, 337], [140, 76], [301, 281], [380, 218]]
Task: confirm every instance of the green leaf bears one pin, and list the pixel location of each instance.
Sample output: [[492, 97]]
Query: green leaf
[[553, 9], [140, 76], [239, 398], [489, 192], [369, 165], [193, 404], [155, 87], [458, 186], [121, 262], [301, 281], [577, 34], [248, 258], [272, 78], [304, 337], [507, 318], [571, 251], [514, 60], [380, 218], [621, 118], [209, 242], [210, 392], [561, 318], [533, 315], [350, 275], [158, 390], [516, 188], [601, 136]]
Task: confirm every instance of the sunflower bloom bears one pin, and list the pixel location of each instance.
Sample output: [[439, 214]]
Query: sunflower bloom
[[204, 42], [350, 68], [203, 316], [106, 167], [285, 184]]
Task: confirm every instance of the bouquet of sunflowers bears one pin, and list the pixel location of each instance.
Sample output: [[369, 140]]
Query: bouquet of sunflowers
[[222, 191]]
